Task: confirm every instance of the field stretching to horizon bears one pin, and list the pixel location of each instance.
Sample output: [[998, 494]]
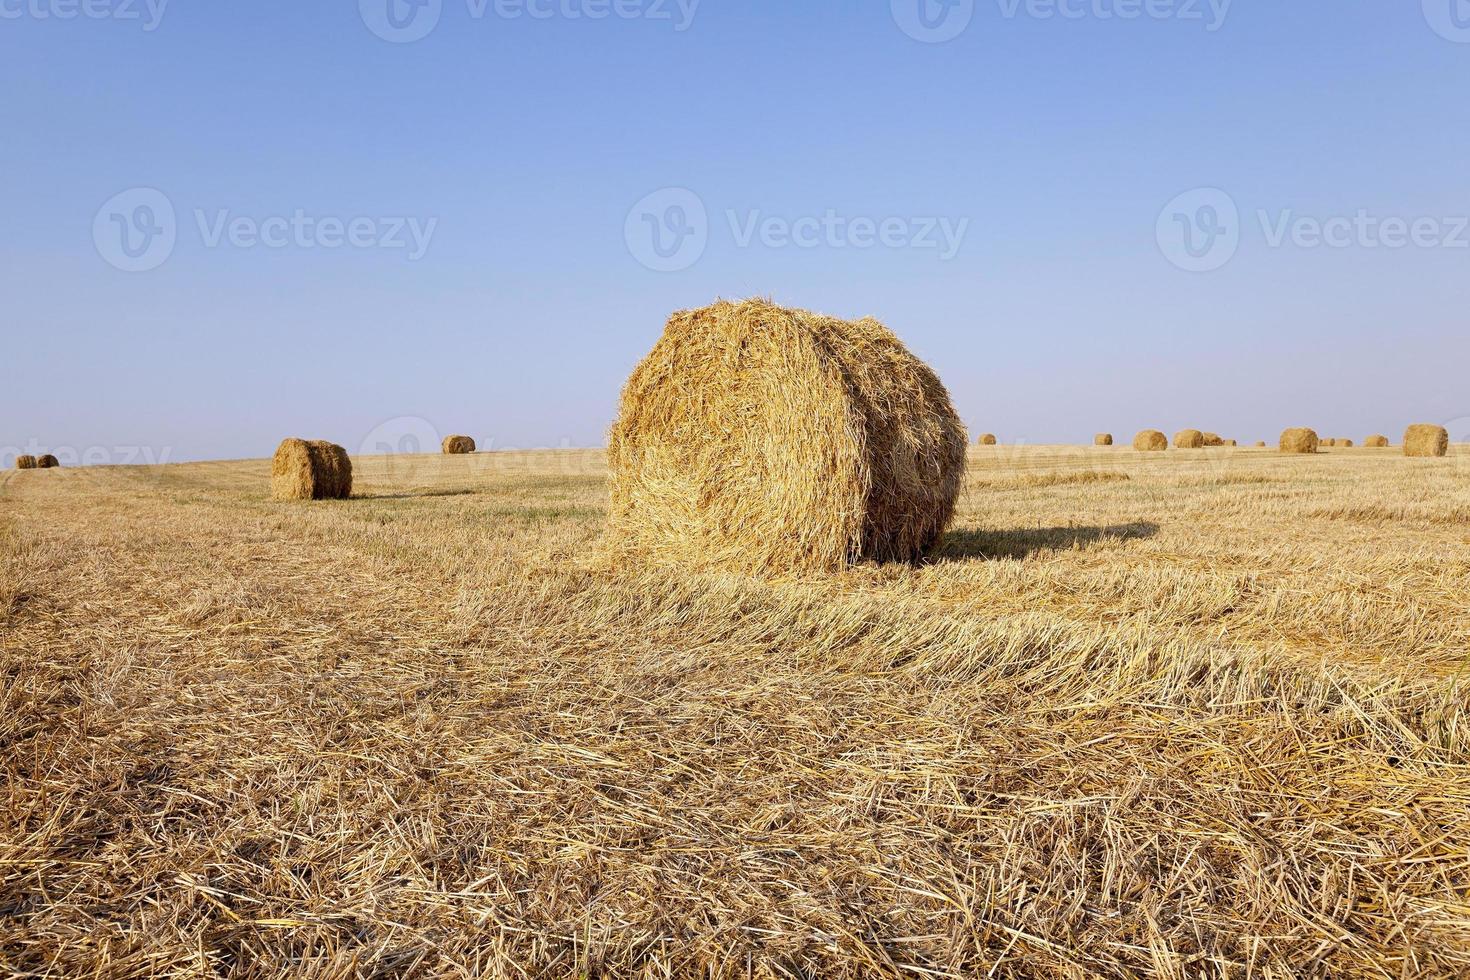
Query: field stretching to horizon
[[1183, 714]]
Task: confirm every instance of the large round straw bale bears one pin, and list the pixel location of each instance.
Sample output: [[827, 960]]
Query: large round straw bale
[[1231, 442], [304, 470], [1376, 442], [47, 462], [1427, 440], [1345, 443], [1213, 440], [1102, 439], [772, 440], [25, 462], [1150, 441], [1303, 441], [988, 439], [1189, 439], [458, 445], [1260, 443]]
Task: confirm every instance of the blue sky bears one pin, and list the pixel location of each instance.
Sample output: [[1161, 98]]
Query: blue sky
[[454, 221]]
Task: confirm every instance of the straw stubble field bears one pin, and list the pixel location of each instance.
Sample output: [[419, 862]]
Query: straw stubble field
[[1166, 714]]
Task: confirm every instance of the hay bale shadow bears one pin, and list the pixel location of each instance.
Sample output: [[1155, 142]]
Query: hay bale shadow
[[1024, 542]]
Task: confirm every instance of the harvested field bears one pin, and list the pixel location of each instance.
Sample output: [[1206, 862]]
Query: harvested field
[[1142, 714]]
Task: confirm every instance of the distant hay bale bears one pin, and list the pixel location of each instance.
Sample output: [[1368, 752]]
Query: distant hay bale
[[1213, 440], [25, 462], [988, 439], [1189, 439], [1376, 442], [1260, 443], [307, 470], [47, 462], [1102, 439], [1301, 441], [1345, 443], [1231, 442], [1150, 441], [1427, 440], [458, 445], [772, 440]]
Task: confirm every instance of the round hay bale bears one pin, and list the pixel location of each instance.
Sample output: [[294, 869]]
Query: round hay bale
[[47, 462], [1189, 439], [772, 440], [458, 445], [1231, 442], [25, 462], [1102, 439], [1301, 441], [1376, 442], [988, 439], [1213, 440], [1260, 443], [1150, 441], [1345, 443], [1427, 440], [307, 470]]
